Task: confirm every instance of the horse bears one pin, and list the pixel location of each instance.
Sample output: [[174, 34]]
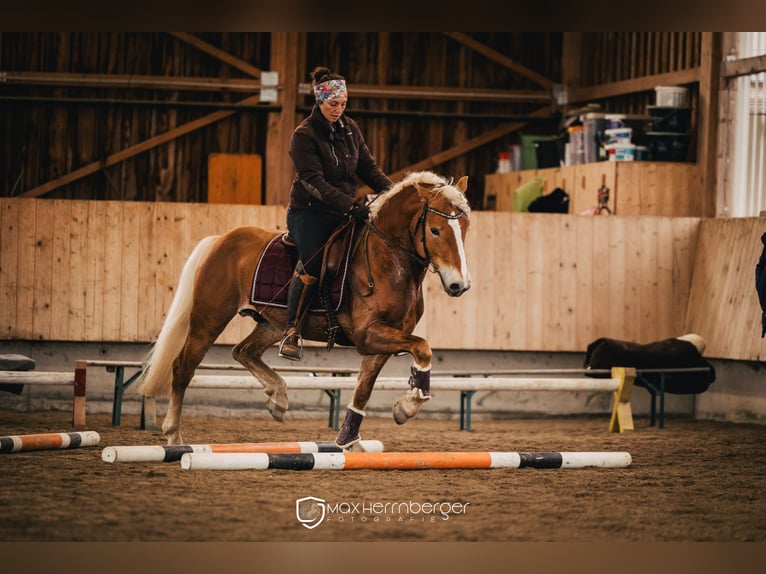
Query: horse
[[419, 224]]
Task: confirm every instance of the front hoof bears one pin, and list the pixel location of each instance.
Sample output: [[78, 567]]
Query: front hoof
[[277, 411], [174, 439], [355, 446], [400, 415]]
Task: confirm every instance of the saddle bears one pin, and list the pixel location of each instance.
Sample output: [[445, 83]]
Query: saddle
[[276, 265]]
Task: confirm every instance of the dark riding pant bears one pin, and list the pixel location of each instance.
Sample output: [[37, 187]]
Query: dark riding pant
[[310, 230]]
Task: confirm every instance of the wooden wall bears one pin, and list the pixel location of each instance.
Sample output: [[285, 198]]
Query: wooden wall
[[723, 303], [75, 270]]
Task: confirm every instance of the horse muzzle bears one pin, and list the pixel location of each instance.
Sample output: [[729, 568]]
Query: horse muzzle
[[455, 284]]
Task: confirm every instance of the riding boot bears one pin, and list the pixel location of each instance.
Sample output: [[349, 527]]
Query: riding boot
[[299, 295]]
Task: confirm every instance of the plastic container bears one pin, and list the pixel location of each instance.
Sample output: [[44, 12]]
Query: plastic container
[[593, 128], [618, 136], [529, 150], [672, 96], [670, 119], [504, 162], [516, 157], [576, 148], [614, 121], [621, 152], [665, 146]]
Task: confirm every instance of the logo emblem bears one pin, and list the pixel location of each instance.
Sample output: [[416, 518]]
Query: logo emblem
[[310, 511]]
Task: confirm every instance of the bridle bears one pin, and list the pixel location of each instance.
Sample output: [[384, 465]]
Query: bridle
[[424, 261]]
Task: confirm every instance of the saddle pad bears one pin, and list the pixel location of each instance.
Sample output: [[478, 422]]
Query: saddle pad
[[275, 269]]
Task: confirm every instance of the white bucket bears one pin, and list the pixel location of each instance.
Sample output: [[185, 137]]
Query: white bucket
[[672, 96], [618, 136], [621, 152]]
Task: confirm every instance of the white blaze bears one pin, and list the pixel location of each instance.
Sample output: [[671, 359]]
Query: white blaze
[[453, 223]]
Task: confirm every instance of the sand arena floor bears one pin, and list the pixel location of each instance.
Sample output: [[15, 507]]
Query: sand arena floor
[[692, 481]]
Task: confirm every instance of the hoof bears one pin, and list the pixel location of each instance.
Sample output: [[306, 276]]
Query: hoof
[[355, 446], [277, 411], [400, 415], [409, 405], [174, 439]]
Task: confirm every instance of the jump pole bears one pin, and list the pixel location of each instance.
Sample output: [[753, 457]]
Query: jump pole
[[48, 441], [403, 460], [157, 453]]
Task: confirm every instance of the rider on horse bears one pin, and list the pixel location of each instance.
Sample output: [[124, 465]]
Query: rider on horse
[[329, 152]]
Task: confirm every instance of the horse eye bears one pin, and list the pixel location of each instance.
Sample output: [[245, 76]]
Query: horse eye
[[435, 231]]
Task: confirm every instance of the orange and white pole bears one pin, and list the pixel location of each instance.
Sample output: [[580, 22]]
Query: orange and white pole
[[404, 460], [158, 453], [48, 441]]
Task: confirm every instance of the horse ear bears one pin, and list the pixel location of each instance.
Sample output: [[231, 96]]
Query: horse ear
[[424, 192], [462, 183]]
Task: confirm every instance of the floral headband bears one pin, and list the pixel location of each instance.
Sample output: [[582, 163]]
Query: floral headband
[[330, 90]]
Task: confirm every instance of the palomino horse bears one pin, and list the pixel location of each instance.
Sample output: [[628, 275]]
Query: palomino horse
[[420, 223]]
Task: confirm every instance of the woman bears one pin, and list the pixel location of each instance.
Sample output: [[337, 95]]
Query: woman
[[329, 153]]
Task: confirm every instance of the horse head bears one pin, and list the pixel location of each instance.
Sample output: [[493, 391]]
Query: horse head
[[440, 232]]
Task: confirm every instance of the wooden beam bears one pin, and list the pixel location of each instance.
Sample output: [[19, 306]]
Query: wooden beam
[[442, 93], [727, 141], [464, 147], [134, 150], [643, 84], [217, 53], [191, 83], [707, 122], [571, 60], [743, 67], [288, 59], [501, 59]]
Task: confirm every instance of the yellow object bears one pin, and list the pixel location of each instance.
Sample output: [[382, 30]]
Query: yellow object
[[527, 193]]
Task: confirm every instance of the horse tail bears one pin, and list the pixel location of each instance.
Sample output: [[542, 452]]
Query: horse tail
[[157, 372]]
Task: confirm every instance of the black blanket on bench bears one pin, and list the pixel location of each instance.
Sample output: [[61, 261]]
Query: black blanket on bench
[[15, 363], [667, 354]]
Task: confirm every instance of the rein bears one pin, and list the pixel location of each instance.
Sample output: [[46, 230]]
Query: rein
[[425, 262]]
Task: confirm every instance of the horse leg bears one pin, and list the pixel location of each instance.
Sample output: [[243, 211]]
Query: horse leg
[[210, 313], [380, 337], [348, 437], [191, 355], [249, 352]]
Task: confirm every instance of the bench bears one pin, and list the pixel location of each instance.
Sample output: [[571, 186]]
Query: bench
[[335, 380], [76, 380]]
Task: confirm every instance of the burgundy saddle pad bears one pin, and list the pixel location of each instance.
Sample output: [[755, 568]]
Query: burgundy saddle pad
[[275, 269]]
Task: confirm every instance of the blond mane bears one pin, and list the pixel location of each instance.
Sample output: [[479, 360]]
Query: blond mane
[[450, 192]]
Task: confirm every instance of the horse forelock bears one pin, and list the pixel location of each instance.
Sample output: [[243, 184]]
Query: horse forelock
[[440, 184]]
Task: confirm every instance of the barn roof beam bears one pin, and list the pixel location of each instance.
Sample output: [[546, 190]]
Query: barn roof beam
[[222, 55], [441, 93], [121, 81], [501, 59], [133, 150], [632, 86], [465, 147], [743, 67]]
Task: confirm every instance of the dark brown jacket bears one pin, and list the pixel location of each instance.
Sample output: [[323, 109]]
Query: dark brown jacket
[[328, 159]]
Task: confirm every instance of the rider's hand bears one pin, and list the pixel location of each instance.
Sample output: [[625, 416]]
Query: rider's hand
[[359, 211]]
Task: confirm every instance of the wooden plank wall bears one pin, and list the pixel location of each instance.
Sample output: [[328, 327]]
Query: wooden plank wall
[[635, 188], [723, 303], [552, 282], [76, 270]]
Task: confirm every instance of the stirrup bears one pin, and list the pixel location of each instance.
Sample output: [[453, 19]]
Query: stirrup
[[291, 346]]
